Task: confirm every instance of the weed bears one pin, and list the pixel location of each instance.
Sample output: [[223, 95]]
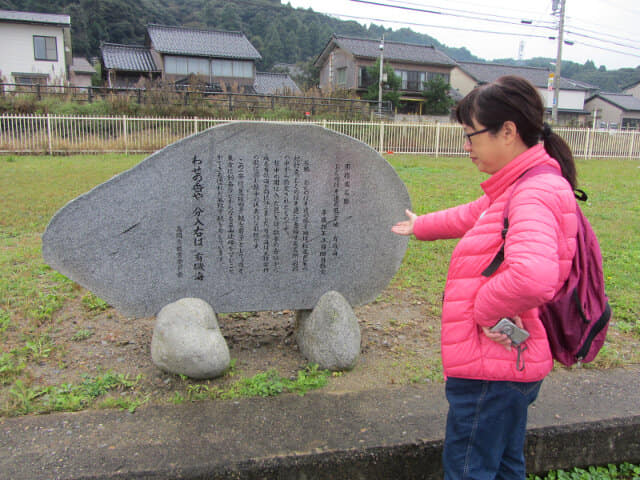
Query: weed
[[9, 370], [38, 348], [24, 396], [625, 471], [93, 303], [82, 334], [177, 398], [5, 320], [124, 403], [271, 383], [47, 305]]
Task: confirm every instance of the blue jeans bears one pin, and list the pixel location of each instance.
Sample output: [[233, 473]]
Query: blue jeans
[[486, 427]]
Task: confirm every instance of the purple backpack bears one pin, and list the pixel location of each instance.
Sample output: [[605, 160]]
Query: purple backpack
[[577, 318]]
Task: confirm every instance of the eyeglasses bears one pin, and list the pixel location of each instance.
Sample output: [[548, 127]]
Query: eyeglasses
[[477, 132]]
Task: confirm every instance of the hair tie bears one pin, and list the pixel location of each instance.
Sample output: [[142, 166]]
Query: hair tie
[[546, 130]]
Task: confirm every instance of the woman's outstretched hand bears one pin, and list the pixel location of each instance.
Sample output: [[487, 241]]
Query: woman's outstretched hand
[[406, 226]]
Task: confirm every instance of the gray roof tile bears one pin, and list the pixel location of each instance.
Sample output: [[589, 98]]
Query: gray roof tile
[[127, 57], [394, 51], [624, 101], [203, 43], [32, 17], [270, 83], [539, 77], [81, 65]]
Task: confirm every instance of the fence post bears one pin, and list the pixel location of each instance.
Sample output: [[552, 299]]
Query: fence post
[[631, 139], [124, 132], [437, 139], [591, 134], [195, 125], [381, 137], [49, 134], [586, 143]]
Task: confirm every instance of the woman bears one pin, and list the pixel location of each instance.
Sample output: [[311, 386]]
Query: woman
[[489, 384]]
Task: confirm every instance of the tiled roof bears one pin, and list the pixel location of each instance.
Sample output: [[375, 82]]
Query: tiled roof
[[81, 65], [32, 17], [539, 77], [393, 51], [127, 57], [270, 83], [203, 43], [626, 102]]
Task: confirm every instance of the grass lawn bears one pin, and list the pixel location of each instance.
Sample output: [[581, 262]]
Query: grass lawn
[[34, 188]]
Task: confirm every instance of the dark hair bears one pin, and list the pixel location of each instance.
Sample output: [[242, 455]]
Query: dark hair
[[514, 98]]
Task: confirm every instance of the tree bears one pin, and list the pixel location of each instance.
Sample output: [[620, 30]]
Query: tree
[[436, 96], [390, 88]]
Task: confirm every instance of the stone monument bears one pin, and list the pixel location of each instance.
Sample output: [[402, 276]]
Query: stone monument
[[245, 216]]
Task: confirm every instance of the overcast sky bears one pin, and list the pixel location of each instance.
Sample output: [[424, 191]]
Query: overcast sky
[[605, 31]]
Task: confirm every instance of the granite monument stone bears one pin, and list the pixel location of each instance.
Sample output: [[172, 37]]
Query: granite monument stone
[[246, 216]]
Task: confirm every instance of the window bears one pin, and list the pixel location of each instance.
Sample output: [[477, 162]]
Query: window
[[45, 48], [444, 76], [233, 68], [411, 80], [341, 77], [364, 78], [30, 79], [222, 68]]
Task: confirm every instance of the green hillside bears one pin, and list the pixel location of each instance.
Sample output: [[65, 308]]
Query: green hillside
[[281, 33]]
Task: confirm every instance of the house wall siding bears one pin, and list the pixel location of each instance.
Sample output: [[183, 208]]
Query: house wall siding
[[606, 112], [338, 59], [635, 90], [567, 100], [20, 57], [461, 81]]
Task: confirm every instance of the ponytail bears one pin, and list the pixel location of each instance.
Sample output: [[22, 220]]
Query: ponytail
[[555, 146]]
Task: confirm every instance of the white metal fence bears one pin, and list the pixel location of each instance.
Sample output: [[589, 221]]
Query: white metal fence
[[52, 134]]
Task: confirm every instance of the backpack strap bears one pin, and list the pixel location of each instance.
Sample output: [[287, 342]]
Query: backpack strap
[[499, 258]]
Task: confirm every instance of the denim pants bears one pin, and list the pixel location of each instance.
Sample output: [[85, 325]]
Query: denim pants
[[486, 427]]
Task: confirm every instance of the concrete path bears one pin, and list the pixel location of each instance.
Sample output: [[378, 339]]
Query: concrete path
[[582, 417]]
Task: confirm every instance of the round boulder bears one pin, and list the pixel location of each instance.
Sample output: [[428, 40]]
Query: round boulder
[[329, 335], [187, 340]]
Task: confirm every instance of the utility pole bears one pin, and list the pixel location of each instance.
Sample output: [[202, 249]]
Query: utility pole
[[556, 78], [380, 77]]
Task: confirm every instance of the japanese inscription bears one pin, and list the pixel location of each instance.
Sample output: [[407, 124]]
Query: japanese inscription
[[261, 209]]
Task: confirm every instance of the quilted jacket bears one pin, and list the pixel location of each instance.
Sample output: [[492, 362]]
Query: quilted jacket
[[540, 244]]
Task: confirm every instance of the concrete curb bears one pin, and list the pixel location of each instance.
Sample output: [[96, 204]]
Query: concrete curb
[[582, 417]]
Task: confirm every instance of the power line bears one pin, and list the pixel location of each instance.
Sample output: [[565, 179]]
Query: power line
[[477, 16], [444, 27], [496, 19]]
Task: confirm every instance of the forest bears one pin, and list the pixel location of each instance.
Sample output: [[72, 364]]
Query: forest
[[281, 33]]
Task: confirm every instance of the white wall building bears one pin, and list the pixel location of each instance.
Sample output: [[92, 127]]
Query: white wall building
[[37, 47]]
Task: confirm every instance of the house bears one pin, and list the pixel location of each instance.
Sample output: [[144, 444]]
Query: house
[[632, 89], [37, 47], [275, 83], [126, 65], [615, 109], [221, 60], [571, 99], [344, 63], [80, 72]]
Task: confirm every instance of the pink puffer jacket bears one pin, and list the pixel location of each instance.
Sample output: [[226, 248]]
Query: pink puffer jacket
[[538, 251]]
